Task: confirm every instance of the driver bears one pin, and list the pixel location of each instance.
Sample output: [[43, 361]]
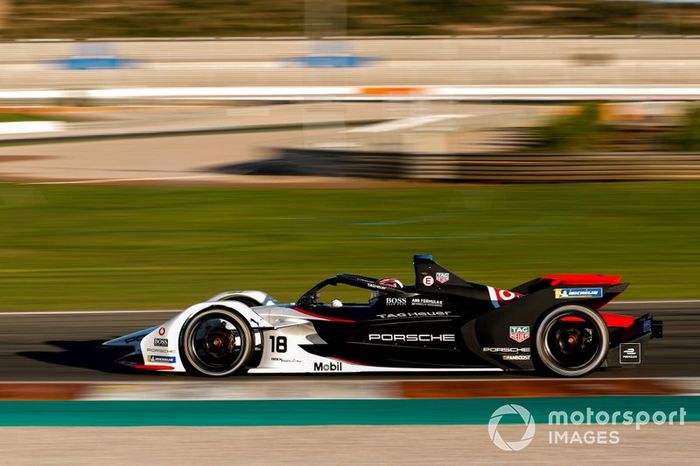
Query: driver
[[389, 282]]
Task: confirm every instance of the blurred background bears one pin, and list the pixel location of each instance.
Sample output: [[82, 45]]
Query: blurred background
[[156, 154]]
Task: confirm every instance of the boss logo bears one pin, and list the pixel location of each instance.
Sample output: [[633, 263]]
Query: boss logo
[[160, 341], [395, 301]]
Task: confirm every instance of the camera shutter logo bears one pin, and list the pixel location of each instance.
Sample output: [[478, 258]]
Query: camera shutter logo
[[528, 434]]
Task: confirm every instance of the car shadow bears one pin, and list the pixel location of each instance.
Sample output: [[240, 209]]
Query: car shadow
[[83, 354]]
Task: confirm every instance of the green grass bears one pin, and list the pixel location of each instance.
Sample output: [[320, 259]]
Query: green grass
[[81, 247], [15, 117]]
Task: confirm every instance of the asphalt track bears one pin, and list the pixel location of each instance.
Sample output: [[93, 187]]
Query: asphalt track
[[65, 346]]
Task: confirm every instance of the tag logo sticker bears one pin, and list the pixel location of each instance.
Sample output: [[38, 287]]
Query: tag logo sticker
[[519, 333], [442, 277]]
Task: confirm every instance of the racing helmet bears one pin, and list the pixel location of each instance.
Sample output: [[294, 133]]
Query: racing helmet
[[388, 282], [391, 282]]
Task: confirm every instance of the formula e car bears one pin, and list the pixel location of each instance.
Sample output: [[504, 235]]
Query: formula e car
[[441, 323]]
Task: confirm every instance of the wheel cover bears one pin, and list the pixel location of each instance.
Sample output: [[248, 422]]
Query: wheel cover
[[569, 347], [216, 343]]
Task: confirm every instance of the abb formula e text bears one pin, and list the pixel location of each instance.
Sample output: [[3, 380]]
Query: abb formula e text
[[441, 323]]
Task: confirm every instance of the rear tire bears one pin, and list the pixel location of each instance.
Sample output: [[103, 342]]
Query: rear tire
[[571, 347], [217, 342]]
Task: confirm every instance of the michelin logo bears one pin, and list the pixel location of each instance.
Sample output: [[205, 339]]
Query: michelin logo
[[563, 293], [170, 359]]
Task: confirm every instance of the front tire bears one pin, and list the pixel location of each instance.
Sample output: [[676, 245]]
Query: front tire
[[571, 341], [217, 342]]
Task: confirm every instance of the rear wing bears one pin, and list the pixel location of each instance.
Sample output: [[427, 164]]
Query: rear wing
[[596, 290], [563, 280]]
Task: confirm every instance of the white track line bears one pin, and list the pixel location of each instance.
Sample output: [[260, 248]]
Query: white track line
[[361, 92], [122, 180]]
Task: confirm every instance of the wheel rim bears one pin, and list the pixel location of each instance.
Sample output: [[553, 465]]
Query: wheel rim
[[572, 344], [572, 341], [217, 344]]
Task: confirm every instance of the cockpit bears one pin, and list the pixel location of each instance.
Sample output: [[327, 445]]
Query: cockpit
[[347, 290]]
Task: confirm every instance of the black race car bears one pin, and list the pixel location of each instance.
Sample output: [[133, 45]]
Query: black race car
[[442, 323]]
